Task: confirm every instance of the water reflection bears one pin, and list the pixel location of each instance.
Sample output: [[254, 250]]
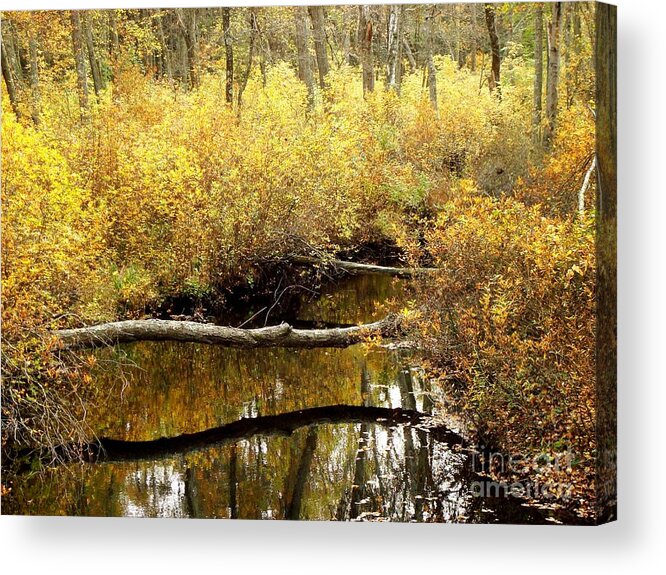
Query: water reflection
[[339, 471]]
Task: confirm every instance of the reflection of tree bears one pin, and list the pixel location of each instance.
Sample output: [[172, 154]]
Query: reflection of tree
[[191, 493], [295, 499], [233, 482]]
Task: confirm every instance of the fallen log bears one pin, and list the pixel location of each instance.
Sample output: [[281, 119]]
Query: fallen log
[[109, 449], [357, 268], [282, 335]]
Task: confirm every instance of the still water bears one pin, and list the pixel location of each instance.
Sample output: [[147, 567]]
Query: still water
[[329, 471]]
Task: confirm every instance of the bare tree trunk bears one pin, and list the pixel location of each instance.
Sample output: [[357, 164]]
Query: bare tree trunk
[[81, 79], [410, 55], [553, 74], [114, 43], [187, 21], [166, 55], [538, 74], [34, 79], [282, 335], [7, 74], [430, 64], [494, 79], [365, 31], [393, 49], [90, 46], [229, 56], [606, 221], [304, 67], [254, 31], [474, 48], [319, 34]]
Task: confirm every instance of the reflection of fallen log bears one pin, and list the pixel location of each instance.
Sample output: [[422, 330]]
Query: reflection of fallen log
[[283, 424], [356, 268], [282, 335]]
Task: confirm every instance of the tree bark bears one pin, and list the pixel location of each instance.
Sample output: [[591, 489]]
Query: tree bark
[[9, 79], [254, 31], [81, 78], [353, 267], [430, 63], [187, 21], [410, 55], [282, 335], [538, 74], [301, 37], [34, 79], [92, 58], [229, 56], [365, 32], [393, 49], [553, 74], [494, 79], [606, 256], [318, 19]]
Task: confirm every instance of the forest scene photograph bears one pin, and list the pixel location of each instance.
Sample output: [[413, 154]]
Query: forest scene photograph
[[341, 262]]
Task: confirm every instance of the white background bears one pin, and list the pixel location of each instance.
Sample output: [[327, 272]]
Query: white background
[[632, 544]]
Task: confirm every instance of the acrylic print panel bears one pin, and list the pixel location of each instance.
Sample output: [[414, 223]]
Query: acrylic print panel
[[348, 263]]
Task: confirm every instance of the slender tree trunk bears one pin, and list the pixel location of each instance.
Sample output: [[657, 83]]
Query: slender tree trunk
[[393, 49], [114, 43], [304, 64], [538, 74], [81, 78], [92, 58], [254, 32], [365, 32], [187, 22], [410, 55], [430, 64], [318, 19], [229, 56], [553, 74], [494, 79], [9, 79], [606, 221], [34, 80], [474, 49], [164, 47]]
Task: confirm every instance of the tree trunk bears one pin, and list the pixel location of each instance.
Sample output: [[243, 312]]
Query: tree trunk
[[92, 58], [538, 74], [353, 267], [114, 43], [9, 79], [393, 49], [365, 31], [229, 56], [410, 55], [187, 22], [166, 55], [553, 74], [606, 343], [319, 34], [304, 67], [34, 79], [494, 79], [254, 31], [81, 77], [430, 64], [282, 335]]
